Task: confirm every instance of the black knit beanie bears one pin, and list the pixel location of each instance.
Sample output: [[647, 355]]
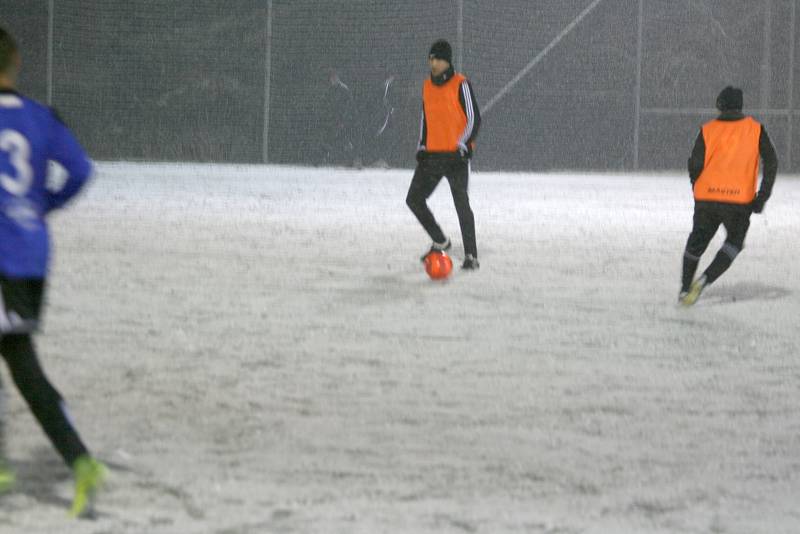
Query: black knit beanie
[[730, 99], [441, 50]]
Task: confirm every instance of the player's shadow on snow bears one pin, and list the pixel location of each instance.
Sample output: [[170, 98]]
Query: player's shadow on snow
[[40, 476], [742, 292], [391, 287]]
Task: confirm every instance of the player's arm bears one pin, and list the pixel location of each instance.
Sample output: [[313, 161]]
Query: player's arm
[[769, 170], [770, 159], [698, 158], [66, 150], [466, 97], [423, 135]]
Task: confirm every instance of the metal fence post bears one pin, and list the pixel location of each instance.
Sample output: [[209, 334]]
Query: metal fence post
[[50, 28], [267, 83], [766, 56], [460, 37], [638, 88], [792, 46]]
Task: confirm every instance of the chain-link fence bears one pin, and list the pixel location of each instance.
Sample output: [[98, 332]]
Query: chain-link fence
[[563, 84]]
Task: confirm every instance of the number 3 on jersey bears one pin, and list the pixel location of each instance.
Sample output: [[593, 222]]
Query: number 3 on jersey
[[19, 152]]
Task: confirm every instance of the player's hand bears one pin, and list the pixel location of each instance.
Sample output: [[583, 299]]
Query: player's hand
[[758, 204], [464, 152], [421, 155]]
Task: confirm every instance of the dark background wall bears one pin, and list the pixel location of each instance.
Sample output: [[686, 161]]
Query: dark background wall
[[204, 80]]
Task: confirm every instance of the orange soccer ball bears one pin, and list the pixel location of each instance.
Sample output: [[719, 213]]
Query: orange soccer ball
[[438, 265]]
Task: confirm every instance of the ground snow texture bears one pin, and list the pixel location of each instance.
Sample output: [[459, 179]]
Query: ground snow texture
[[257, 349]]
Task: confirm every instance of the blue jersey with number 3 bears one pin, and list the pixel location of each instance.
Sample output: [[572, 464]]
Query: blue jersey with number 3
[[31, 135]]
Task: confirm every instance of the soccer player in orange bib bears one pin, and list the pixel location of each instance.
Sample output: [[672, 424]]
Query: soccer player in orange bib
[[723, 169], [449, 125]]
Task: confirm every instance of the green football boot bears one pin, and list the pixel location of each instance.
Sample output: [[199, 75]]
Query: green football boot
[[697, 287], [89, 476], [7, 478]]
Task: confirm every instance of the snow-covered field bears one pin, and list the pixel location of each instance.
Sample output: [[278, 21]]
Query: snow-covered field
[[258, 350]]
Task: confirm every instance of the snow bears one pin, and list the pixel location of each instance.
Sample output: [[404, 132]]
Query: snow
[[257, 349]]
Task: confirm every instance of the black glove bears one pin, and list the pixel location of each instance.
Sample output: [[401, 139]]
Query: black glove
[[421, 155], [758, 204]]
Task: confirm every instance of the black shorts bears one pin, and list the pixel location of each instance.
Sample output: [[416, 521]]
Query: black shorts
[[708, 216], [20, 304]]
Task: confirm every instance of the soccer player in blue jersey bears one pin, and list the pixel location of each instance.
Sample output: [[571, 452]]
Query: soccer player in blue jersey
[[31, 135]]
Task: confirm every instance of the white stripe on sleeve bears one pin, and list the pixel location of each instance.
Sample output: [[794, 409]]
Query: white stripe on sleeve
[[470, 113]]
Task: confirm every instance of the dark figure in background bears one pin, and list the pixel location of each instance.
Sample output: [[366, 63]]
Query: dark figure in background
[[338, 121], [450, 122], [30, 135], [723, 169]]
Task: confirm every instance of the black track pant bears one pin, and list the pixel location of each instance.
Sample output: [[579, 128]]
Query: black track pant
[[708, 216], [426, 177], [42, 398]]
